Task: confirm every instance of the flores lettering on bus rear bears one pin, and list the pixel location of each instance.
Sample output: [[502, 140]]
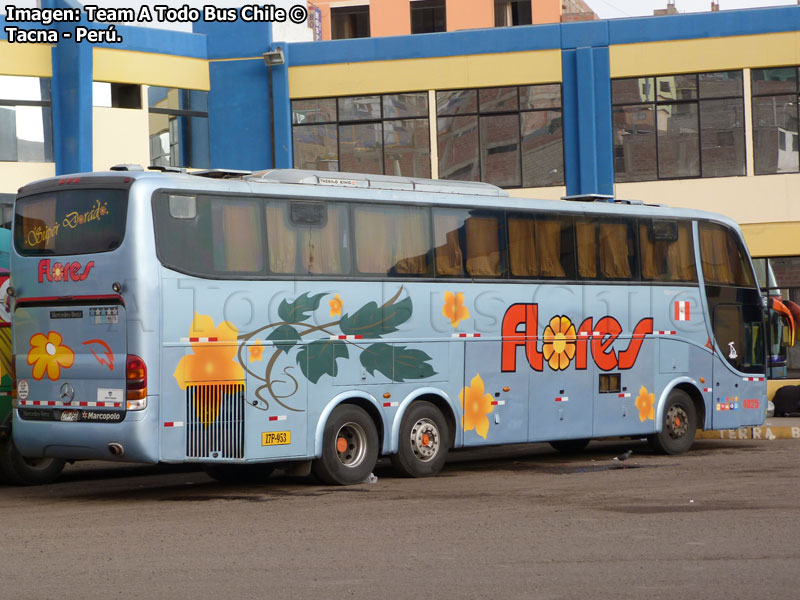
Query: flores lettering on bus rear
[[69, 271]]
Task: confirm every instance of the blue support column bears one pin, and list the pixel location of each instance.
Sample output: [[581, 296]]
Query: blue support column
[[588, 141], [72, 99], [282, 112], [238, 103]]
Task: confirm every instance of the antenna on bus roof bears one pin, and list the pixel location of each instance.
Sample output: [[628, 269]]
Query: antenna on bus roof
[[221, 173], [164, 169], [589, 198]]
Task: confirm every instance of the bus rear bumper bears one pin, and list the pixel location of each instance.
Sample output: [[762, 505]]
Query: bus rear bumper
[[133, 440]]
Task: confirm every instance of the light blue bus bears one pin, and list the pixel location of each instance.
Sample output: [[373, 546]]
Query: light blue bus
[[320, 320]]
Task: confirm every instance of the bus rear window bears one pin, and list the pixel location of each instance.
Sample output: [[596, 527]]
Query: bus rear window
[[67, 222]]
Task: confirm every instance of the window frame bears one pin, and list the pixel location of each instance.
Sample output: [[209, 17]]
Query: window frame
[[48, 145], [651, 91]]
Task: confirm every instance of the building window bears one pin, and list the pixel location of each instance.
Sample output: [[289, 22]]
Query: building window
[[26, 121], [350, 22], [508, 136], [775, 120], [678, 126], [428, 16], [116, 95], [386, 134], [512, 12], [178, 127]]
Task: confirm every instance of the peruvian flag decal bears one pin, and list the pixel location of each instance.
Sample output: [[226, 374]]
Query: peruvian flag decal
[[682, 310]]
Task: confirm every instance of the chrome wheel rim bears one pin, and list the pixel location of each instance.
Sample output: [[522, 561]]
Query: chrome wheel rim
[[351, 444], [425, 440], [677, 421]]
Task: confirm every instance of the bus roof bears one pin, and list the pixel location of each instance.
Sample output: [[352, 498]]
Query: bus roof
[[363, 187]]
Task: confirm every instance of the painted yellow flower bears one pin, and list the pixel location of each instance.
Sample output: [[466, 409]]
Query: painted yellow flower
[[256, 351], [476, 405], [559, 343], [454, 308], [336, 305], [646, 404], [49, 355], [212, 361]]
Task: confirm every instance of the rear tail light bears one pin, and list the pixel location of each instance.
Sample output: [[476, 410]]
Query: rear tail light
[[136, 383]]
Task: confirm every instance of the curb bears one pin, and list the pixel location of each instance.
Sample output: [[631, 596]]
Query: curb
[[765, 432]]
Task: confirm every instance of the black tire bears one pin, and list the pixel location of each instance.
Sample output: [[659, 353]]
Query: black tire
[[423, 441], [678, 427], [570, 446], [349, 447], [225, 473], [19, 470]]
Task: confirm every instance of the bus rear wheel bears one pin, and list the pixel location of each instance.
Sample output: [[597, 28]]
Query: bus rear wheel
[[20, 470], [349, 447], [423, 441], [678, 427]]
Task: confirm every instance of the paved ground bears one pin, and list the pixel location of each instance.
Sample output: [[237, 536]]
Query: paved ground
[[524, 522]]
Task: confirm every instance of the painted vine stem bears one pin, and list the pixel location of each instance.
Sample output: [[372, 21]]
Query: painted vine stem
[[318, 357]]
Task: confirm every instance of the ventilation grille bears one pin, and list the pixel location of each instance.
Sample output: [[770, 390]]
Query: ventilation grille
[[215, 420]]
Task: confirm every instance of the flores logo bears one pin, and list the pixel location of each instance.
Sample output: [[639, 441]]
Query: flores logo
[[70, 271]]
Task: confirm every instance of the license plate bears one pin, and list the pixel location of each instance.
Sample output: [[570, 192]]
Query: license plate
[[69, 415], [276, 438]]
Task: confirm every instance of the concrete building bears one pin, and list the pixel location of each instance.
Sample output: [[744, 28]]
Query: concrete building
[[344, 19]]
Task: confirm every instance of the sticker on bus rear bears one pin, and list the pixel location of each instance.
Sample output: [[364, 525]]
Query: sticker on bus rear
[[102, 315], [22, 389]]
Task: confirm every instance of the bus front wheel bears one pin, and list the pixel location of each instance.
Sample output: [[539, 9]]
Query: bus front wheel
[[423, 442], [349, 447], [20, 470], [678, 426]]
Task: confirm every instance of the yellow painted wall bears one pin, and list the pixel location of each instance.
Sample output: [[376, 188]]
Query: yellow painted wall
[[119, 135], [452, 72], [710, 54], [545, 193], [33, 60], [752, 199], [13, 175], [469, 14], [125, 66]]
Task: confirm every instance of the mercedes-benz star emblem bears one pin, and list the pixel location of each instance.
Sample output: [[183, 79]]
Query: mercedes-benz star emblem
[[67, 393]]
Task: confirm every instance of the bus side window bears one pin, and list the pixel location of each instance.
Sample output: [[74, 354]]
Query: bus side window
[[236, 235], [314, 244], [606, 249], [447, 248], [392, 240], [484, 253], [667, 251], [724, 261], [540, 247]]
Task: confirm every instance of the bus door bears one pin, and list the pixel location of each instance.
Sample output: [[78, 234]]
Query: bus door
[[738, 331]]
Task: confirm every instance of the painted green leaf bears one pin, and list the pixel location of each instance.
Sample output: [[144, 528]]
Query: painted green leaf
[[300, 309], [319, 358], [398, 363], [372, 321], [284, 337]]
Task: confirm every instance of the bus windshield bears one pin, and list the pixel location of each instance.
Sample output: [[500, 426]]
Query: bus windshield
[[74, 221]]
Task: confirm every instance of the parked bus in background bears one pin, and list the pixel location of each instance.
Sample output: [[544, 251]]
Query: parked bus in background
[[321, 320], [779, 278], [14, 468]]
